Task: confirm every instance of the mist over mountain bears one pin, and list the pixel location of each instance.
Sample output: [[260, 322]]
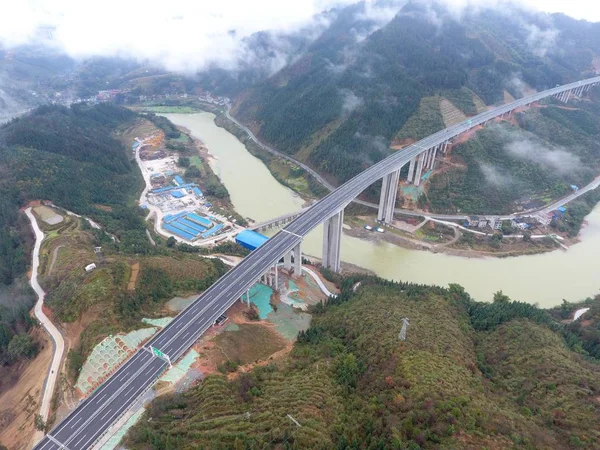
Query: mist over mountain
[[340, 104]]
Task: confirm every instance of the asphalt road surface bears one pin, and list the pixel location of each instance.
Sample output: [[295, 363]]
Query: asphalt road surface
[[80, 429]]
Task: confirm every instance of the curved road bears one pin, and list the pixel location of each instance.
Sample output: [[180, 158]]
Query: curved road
[[408, 212], [80, 429], [59, 343]]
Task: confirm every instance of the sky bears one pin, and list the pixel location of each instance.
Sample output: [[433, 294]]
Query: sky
[[190, 35]]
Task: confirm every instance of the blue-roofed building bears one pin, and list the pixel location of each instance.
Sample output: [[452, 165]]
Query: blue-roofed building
[[177, 194], [170, 188], [251, 239], [199, 220], [178, 232], [197, 191], [192, 225], [178, 180], [562, 209], [212, 231]]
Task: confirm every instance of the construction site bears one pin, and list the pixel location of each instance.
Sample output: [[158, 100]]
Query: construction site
[[179, 207]]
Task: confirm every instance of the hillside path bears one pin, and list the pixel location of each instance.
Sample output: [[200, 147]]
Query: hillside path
[[57, 339]]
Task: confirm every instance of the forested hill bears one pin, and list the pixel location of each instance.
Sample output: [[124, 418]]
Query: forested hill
[[470, 375], [70, 157], [340, 104]]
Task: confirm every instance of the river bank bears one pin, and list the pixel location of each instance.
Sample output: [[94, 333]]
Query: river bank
[[544, 278]]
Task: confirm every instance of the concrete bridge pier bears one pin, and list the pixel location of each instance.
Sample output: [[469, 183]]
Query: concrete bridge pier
[[297, 260], [411, 170], [428, 154], [434, 154], [387, 200], [287, 261], [332, 240], [420, 163]]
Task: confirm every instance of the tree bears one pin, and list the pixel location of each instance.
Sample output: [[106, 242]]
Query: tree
[[527, 236], [39, 423], [500, 297], [348, 370], [183, 161], [192, 172], [171, 241], [507, 228], [22, 346]]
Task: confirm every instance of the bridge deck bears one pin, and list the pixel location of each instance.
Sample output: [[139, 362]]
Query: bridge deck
[[80, 429]]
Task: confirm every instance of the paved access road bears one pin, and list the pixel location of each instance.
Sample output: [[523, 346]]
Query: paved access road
[[57, 339], [93, 416]]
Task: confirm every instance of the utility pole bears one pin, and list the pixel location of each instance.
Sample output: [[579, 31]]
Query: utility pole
[[405, 325]]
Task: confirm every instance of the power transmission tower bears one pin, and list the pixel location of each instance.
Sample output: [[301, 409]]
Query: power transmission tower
[[405, 325]]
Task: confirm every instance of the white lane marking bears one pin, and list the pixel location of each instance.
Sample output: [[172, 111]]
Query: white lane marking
[[294, 234], [119, 411], [76, 422], [90, 400], [113, 396]]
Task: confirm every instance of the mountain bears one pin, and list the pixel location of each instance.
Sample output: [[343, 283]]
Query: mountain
[[469, 376], [67, 156], [340, 103]]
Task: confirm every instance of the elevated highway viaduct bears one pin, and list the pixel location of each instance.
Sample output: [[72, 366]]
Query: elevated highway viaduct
[[94, 416]]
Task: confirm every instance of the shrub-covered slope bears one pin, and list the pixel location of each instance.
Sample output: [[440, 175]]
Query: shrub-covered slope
[[374, 81], [351, 383]]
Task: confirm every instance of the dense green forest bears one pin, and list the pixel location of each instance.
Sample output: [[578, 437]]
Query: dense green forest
[[551, 149], [70, 157], [469, 376], [341, 103]]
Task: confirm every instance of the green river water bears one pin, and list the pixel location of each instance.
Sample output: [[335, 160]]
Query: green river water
[[545, 279]]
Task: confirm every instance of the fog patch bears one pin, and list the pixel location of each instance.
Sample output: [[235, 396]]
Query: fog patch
[[375, 147], [556, 159], [517, 85], [495, 177], [350, 101], [540, 41]]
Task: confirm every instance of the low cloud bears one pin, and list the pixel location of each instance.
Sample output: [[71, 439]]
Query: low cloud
[[189, 36], [519, 87], [556, 159], [494, 177], [540, 41], [350, 101]]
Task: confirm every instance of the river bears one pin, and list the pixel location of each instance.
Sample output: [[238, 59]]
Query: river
[[545, 279]]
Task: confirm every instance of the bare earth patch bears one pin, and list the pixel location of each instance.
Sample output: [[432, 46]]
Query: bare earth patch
[[21, 401]]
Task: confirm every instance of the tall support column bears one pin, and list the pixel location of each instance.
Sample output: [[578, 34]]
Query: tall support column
[[428, 158], [287, 261], [387, 200], [568, 96], [276, 277], [385, 185], [411, 170], [432, 156], [392, 196], [297, 260], [332, 239], [435, 150], [446, 146], [419, 169]]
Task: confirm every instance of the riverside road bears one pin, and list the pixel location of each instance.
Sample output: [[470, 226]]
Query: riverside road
[[86, 424]]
